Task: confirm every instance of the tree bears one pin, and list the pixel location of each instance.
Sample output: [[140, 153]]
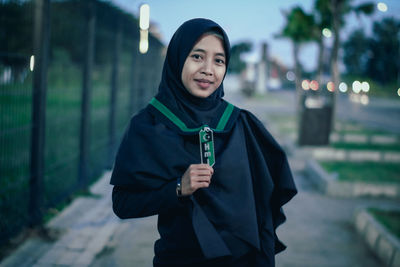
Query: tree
[[299, 29], [384, 65], [338, 9], [323, 19], [236, 64], [356, 53]]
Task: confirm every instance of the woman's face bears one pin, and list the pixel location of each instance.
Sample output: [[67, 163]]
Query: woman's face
[[204, 68]]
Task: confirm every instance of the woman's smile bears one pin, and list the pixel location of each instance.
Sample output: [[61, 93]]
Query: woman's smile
[[203, 83], [204, 68]]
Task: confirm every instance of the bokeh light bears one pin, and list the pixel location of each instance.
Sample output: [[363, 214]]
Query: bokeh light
[[144, 41], [290, 75], [343, 87], [382, 7], [356, 87], [32, 63], [305, 84], [314, 85], [398, 92], [327, 33], [365, 87], [144, 18], [330, 86]]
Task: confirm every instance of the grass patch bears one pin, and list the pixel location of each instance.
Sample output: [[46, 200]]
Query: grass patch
[[350, 127], [366, 146], [390, 219], [372, 172], [366, 131]]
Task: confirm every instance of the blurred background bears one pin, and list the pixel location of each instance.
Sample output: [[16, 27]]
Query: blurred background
[[324, 75]]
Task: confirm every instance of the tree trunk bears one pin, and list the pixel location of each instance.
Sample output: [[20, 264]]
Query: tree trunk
[[336, 8], [321, 50], [299, 90], [297, 71]]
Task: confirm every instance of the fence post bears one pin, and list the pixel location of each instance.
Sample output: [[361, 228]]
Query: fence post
[[134, 77], [141, 80], [86, 94], [113, 95], [41, 37]]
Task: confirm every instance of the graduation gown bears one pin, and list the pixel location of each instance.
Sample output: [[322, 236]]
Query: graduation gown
[[240, 210]]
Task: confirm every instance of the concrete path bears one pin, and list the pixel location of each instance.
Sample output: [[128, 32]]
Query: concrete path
[[86, 226]]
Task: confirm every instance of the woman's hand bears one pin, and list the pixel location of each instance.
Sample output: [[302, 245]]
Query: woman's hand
[[196, 176]]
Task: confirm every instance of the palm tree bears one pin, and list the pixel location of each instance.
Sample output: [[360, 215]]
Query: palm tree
[[299, 29], [338, 10], [323, 19]]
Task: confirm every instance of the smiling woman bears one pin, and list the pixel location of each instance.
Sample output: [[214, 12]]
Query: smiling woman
[[205, 68], [211, 171]]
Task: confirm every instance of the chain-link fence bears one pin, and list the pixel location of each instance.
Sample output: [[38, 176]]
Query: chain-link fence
[[71, 77]]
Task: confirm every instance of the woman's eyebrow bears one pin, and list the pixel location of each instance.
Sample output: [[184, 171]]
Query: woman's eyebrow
[[199, 50], [204, 51]]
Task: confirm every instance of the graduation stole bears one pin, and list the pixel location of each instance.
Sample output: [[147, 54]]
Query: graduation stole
[[205, 132]]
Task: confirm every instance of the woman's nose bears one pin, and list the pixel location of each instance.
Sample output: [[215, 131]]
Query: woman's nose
[[207, 68]]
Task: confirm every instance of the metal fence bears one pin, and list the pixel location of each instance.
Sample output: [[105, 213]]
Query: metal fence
[[71, 77]]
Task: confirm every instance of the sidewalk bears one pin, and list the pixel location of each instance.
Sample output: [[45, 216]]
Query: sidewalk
[[87, 226]]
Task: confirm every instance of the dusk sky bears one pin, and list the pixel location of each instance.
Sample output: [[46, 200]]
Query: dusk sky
[[253, 20]]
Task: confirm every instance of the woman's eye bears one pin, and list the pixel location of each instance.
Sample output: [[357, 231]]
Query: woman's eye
[[196, 56], [220, 61]]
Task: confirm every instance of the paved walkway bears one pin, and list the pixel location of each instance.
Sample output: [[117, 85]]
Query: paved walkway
[[86, 225], [319, 230]]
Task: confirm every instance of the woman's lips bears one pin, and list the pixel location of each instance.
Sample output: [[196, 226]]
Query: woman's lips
[[202, 83]]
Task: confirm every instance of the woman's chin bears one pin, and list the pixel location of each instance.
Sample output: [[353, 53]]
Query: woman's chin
[[201, 93]]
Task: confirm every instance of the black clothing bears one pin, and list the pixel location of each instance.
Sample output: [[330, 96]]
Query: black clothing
[[232, 220], [238, 212]]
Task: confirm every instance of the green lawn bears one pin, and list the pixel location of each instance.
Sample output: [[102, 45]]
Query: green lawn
[[390, 219], [366, 146], [344, 127], [374, 172], [63, 107]]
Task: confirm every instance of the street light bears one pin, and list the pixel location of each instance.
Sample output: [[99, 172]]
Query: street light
[[382, 7], [144, 24], [144, 19], [32, 63], [327, 33]]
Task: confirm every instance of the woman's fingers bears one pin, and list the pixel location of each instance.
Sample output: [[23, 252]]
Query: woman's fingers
[[201, 169], [205, 167], [202, 185], [196, 176]]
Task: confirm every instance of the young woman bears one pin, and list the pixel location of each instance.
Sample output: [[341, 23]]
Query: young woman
[[211, 171]]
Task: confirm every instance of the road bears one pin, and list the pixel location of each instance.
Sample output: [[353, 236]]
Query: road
[[380, 113]]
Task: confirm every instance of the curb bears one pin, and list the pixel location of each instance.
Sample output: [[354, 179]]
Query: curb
[[378, 238], [329, 184], [333, 154], [87, 224]]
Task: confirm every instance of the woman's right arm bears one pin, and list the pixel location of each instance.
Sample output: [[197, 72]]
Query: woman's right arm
[[130, 203]]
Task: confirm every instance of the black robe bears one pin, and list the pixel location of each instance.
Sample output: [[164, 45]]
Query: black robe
[[240, 210]]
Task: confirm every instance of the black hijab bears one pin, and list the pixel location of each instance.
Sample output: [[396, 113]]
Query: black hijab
[[172, 93]]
